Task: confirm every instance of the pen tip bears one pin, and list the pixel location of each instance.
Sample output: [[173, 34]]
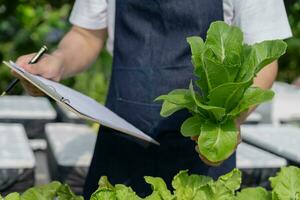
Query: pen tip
[[3, 94]]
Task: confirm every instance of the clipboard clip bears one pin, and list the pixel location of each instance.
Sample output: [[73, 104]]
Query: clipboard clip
[[61, 98], [65, 100]]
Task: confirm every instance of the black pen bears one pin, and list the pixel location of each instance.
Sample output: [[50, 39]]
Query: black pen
[[35, 58]]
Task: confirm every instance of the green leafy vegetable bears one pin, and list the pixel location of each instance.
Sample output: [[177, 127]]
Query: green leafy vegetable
[[43, 192], [13, 196], [217, 140], [258, 193], [285, 185], [225, 68], [159, 188], [191, 126], [188, 186], [65, 193], [222, 189], [51, 191], [176, 100]]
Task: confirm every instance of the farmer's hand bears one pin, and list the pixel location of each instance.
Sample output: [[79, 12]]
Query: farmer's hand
[[217, 163], [49, 66]]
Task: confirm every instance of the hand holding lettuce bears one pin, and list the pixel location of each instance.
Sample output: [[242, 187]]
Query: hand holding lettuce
[[225, 69]]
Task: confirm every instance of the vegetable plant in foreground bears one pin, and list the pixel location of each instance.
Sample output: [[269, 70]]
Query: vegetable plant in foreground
[[225, 69], [285, 186], [52, 191]]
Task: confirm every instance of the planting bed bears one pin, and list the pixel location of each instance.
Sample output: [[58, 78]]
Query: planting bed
[[17, 160], [32, 112], [70, 150]]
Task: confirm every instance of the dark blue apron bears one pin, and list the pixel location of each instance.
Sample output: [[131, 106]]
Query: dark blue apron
[[152, 57]]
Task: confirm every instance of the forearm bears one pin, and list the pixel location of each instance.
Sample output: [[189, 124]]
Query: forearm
[[78, 49], [264, 80]]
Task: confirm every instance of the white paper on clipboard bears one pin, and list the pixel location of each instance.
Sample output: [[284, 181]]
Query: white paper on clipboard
[[80, 104]]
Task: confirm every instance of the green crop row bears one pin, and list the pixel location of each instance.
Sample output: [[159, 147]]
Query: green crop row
[[285, 186]]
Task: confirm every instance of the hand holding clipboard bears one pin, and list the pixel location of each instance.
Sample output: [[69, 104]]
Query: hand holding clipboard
[[32, 61], [82, 105]]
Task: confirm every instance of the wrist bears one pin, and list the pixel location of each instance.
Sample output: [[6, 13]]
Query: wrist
[[59, 56]]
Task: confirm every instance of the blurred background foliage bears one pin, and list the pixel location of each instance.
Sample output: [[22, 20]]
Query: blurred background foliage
[[25, 25], [290, 63]]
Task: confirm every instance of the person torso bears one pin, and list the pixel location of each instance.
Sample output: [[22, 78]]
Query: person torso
[[228, 14], [152, 56]]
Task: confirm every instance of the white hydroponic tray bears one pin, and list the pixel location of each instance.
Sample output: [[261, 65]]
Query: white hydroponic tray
[[251, 157], [284, 107], [15, 152], [26, 107], [282, 140], [254, 117], [71, 144]]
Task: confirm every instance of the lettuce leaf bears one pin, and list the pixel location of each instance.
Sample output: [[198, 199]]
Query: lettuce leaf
[[259, 55], [64, 192], [213, 112], [222, 189], [191, 126], [44, 192], [225, 68], [257, 193], [124, 192], [218, 141], [12, 196], [159, 188], [176, 100], [252, 97], [188, 186], [286, 185]]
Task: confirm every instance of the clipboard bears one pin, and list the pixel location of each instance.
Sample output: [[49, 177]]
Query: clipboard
[[80, 104]]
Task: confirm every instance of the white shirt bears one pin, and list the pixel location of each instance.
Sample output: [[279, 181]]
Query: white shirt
[[258, 19]]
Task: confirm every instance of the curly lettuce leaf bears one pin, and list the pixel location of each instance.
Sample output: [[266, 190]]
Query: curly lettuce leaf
[[104, 194], [105, 191], [222, 189], [286, 184], [123, 192], [44, 192], [12, 196], [257, 193], [188, 187], [159, 188], [104, 183], [232, 180], [64, 192]]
